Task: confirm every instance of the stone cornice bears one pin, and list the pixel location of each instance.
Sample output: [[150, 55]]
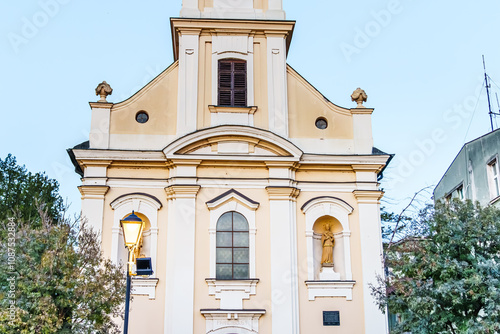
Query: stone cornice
[[332, 159], [368, 196], [376, 168], [283, 193], [238, 110], [95, 163], [230, 26], [93, 192], [112, 155], [182, 191], [282, 164], [101, 105], [183, 162], [362, 111]]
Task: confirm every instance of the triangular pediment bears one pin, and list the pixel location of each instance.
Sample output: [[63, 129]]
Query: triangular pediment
[[232, 196]]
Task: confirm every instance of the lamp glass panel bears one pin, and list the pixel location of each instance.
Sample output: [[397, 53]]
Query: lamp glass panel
[[132, 232]]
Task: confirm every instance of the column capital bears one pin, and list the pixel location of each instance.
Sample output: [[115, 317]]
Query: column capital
[[93, 192], [362, 111], [283, 193], [182, 191], [368, 196]]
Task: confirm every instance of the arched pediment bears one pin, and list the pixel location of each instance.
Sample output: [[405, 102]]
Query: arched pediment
[[232, 140]]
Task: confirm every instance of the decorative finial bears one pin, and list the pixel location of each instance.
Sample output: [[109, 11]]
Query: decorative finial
[[359, 96], [103, 89]]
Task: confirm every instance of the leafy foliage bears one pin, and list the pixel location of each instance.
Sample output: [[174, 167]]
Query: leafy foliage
[[53, 277], [20, 189], [62, 282], [446, 277]]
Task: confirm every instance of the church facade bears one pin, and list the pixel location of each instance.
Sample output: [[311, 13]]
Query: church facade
[[260, 197]]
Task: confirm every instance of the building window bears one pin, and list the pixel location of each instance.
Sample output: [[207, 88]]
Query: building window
[[232, 247], [460, 193], [494, 182], [232, 83], [321, 123], [447, 199]]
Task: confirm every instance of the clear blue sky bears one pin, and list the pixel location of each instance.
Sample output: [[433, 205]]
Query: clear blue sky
[[419, 62]]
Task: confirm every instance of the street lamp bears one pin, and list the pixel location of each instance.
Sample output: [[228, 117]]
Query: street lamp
[[132, 227]]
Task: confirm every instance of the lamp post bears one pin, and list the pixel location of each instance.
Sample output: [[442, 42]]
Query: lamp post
[[132, 227]]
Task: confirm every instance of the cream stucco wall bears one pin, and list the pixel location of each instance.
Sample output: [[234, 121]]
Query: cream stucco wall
[[159, 100], [279, 159]]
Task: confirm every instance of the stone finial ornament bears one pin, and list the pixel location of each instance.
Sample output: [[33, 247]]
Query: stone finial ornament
[[359, 96], [103, 89]]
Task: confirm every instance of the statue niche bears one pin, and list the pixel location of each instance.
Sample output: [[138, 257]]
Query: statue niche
[[328, 255]]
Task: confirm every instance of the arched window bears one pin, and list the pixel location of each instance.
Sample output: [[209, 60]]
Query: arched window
[[232, 247]]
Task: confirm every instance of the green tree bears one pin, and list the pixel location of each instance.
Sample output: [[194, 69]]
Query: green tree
[[21, 189], [446, 277], [53, 277]]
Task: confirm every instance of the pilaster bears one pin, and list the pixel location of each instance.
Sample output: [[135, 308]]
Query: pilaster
[[187, 102], [190, 9], [99, 125], [284, 266], [93, 206], [371, 256], [277, 82], [180, 259], [362, 127]]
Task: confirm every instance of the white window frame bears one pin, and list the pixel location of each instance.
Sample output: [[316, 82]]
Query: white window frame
[[232, 292], [494, 178], [233, 47]]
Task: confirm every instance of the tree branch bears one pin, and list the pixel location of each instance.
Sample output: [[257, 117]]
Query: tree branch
[[400, 217]]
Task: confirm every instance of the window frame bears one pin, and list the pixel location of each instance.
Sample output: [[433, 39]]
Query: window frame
[[232, 200], [235, 86], [494, 178], [232, 247]]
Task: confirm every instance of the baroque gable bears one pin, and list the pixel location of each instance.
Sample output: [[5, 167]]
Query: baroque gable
[[232, 140]]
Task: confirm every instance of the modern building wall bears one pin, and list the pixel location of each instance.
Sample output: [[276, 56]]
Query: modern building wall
[[472, 173]]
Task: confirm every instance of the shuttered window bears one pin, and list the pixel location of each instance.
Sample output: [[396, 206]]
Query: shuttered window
[[232, 83]]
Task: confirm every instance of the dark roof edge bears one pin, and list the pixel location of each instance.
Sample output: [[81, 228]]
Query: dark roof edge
[[229, 192], [82, 146]]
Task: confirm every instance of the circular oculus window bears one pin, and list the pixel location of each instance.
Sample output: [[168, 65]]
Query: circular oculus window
[[321, 123], [142, 117]]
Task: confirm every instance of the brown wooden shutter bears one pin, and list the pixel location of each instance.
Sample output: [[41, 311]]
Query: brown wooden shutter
[[232, 83]]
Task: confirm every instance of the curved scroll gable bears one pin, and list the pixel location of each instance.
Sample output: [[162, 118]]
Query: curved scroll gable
[[233, 139]]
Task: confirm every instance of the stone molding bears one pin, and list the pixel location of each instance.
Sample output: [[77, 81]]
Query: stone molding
[[368, 196], [330, 289], [230, 321], [362, 111], [144, 286], [232, 292], [182, 191], [283, 193], [93, 192], [238, 110]]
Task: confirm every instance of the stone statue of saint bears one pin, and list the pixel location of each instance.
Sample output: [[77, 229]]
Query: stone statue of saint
[[327, 241]]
